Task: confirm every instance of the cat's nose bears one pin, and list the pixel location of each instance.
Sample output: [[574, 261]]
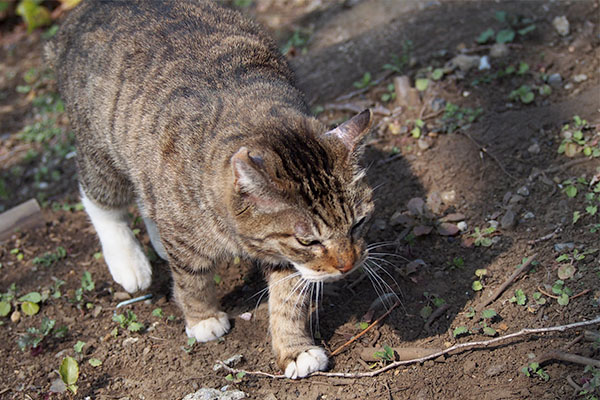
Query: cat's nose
[[345, 267], [346, 260]]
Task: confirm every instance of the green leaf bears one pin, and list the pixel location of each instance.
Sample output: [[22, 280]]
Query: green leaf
[[527, 97], [191, 341], [33, 297], [30, 308], [94, 362], [240, 375], [571, 191], [480, 272], [523, 68], [460, 330], [438, 73], [426, 312], [526, 30], [33, 14], [488, 314], [87, 283], [217, 279], [489, 331], [157, 312], [566, 271], [78, 346], [500, 16], [421, 84], [505, 36], [135, 326], [363, 325], [576, 216], [520, 297], [557, 288], [229, 378], [470, 313], [591, 210], [69, 371], [563, 299], [4, 308], [477, 286], [485, 36]]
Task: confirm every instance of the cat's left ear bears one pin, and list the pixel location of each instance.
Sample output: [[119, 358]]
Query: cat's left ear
[[352, 131]]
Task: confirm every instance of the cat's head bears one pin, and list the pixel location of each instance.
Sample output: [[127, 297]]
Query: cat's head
[[300, 197]]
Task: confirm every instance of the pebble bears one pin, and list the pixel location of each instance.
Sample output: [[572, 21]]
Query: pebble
[[523, 191], [215, 394], [516, 199], [499, 50], [230, 362], [484, 63], [129, 341], [555, 80], [247, 316], [462, 225], [509, 220], [534, 148], [493, 223], [562, 247], [568, 86], [449, 196], [507, 197], [465, 62], [580, 78], [469, 366], [434, 202], [561, 24], [120, 296], [423, 144], [495, 370], [529, 215], [15, 316], [496, 239]]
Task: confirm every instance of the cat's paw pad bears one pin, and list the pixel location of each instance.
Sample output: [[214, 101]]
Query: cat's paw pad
[[209, 329], [129, 268], [308, 361]]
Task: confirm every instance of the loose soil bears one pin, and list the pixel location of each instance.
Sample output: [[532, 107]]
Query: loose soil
[[475, 171]]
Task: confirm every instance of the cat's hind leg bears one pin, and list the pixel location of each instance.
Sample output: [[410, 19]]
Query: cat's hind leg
[[123, 254]]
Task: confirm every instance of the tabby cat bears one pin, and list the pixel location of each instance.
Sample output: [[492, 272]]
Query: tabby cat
[[189, 109]]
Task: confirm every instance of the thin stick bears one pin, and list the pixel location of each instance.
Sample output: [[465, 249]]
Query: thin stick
[[567, 357], [546, 293], [441, 310], [367, 329], [493, 157], [508, 282], [461, 346], [586, 291]]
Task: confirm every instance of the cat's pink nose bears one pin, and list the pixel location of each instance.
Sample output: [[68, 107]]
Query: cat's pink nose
[[345, 267]]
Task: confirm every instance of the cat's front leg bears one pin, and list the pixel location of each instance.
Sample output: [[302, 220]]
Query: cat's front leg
[[295, 350], [194, 291]]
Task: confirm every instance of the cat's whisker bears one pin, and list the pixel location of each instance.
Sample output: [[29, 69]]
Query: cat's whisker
[[385, 287], [296, 286], [310, 312], [388, 274], [390, 255], [300, 300], [264, 291], [378, 244], [379, 290], [370, 257]]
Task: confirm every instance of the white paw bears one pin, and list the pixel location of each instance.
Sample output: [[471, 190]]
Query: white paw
[[308, 361], [128, 266], [209, 329]]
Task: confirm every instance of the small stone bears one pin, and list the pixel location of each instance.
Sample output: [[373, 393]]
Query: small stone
[[561, 24], [454, 217], [130, 341], [230, 362], [507, 197], [247, 316], [568, 86], [508, 221], [15, 316], [215, 394], [97, 311], [465, 62], [449, 196], [555, 80], [493, 223], [379, 224], [516, 199], [562, 247], [496, 239], [415, 206], [58, 386], [499, 50], [434, 202], [495, 370], [398, 218], [580, 78], [447, 229], [120, 296], [462, 225], [534, 148], [529, 215], [484, 63], [523, 191]]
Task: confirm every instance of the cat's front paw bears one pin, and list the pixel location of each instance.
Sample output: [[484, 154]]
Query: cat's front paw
[[129, 266], [209, 329], [307, 362]]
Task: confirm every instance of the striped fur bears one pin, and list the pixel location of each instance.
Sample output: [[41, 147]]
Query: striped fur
[[189, 108]]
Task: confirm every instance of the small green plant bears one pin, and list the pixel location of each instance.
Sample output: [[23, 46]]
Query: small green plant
[[460, 331], [50, 258], [539, 298], [519, 297], [35, 336], [69, 373], [512, 25], [30, 303], [456, 117], [190, 345], [235, 379], [534, 369], [591, 385], [390, 93], [562, 291], [482, 237], [386, 355], [400, 62], [128, 321], [524, 94], [579, 137], [78, 347], [87, 285], [157, 312], [296, 43], [416, 131], [364, 82]]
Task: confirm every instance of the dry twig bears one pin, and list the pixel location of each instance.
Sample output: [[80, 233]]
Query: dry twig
[[507, 283], [368, 328], [567, 357], [461, 346], [485, 151], [435, 315]]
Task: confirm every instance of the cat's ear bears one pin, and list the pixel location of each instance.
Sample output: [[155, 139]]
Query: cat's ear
[[250, 180], [352, 131]]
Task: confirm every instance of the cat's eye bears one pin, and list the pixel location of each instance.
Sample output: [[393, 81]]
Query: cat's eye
[[358, 225], [307, 242]]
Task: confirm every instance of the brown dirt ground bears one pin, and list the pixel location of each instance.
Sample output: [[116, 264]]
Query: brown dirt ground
[[152, 364]]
